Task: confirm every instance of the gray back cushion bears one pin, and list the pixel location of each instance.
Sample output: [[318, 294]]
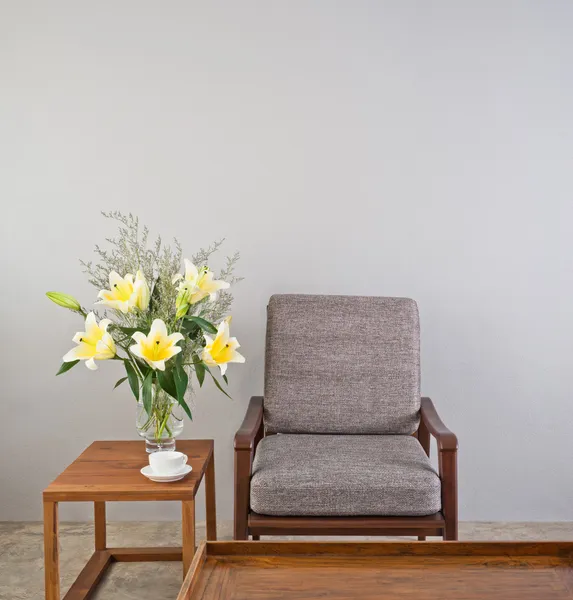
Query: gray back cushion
[[342, 364]]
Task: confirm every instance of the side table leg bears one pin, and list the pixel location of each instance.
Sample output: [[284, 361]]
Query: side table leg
[[188, 526], [100, 526], [210, 504], [51, 555]]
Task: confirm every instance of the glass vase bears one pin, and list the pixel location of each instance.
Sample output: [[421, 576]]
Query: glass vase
[[162, 425]]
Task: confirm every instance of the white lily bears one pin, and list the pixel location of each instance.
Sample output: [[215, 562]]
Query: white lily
[[157, 347], [223, 349], [95, 343], [197, 284], [125, 294]]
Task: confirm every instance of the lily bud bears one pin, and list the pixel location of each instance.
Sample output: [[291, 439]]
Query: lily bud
[[182, 300], [181, 310], [142, 291], [64, 300]]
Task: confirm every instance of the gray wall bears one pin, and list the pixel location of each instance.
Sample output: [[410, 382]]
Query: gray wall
[[387, 148]]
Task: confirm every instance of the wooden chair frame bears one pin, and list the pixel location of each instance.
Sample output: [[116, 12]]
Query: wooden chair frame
[[443, 523]]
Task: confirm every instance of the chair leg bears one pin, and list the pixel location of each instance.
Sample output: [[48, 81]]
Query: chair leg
[[242, 485], [451, 531], [449, 471], [421, 538]]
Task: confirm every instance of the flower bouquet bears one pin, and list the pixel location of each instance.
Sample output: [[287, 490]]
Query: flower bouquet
[[165, 326]]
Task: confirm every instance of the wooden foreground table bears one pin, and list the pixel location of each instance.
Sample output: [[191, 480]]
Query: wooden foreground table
[[380, 570], [110, 472]]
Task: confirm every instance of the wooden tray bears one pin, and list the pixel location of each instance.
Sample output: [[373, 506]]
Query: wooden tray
[[388, 570]]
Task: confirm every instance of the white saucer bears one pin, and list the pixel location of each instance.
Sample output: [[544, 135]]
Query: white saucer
[[148, 472]]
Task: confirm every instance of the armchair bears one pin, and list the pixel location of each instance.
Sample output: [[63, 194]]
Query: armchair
[[340, 443]]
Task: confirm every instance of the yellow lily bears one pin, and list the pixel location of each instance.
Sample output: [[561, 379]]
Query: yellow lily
[[125, 294], [95, 343], [157, 347], [223, 349], [197, 284]]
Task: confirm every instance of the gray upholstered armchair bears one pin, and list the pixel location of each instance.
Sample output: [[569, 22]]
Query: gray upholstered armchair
[[351, 450]]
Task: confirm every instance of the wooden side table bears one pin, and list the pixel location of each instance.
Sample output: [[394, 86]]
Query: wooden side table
[[109, 472]]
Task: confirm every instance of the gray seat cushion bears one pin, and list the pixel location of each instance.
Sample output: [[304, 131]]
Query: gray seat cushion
[[342, 475], [342, 364]]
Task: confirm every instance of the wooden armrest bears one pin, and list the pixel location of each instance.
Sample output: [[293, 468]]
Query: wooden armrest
[[246, 439], [446, 439], [252, 424]]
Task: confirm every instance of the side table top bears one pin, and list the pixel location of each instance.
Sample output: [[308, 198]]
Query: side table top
[[110, 471]]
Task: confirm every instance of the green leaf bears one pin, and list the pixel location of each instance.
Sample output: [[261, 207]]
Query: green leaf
[[167, 382], [190, 328], [181, 378], [67, 366], [216, 382], [119, 382], [141, 365], [146, 391], [200, 372], [225, 379], [132, 378], [203, 323], [199, 369], [131, 330], [186, 408]]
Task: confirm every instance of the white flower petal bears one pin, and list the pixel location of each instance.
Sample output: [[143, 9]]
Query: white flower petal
[[223, 368], [71, 355], [217, 285], [139, 336], [207, 358], [233, 343], [136, 350], [223, 332], [78, 337], [91, 318], [104, 324], [176, 337], [105, 348], [114, 278], [115, 304], [197, 296], [237, 358], [90, 364], [82, 351], [158, 327], [191, 272]]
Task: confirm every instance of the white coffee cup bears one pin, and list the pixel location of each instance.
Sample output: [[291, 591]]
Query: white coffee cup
[[167, 463]]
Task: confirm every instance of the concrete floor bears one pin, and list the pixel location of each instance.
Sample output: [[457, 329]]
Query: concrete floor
[[22, 568]]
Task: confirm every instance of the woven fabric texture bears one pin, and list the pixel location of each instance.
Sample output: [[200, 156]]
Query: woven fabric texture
[[343, 475], [342, 364]]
